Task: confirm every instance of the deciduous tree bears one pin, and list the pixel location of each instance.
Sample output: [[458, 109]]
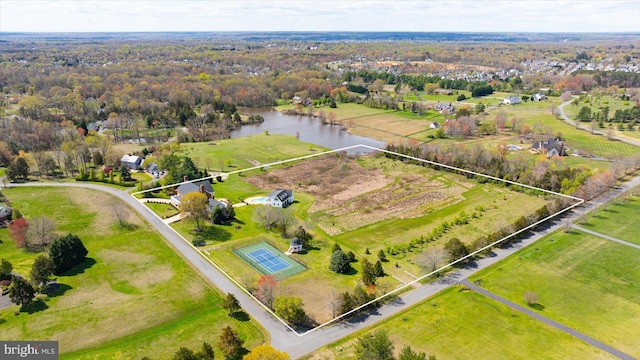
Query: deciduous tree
[[266, 290], [41, 270], [408, 354], [194, 205], [266, 352], [40, 232], [18, 231], [376, 346], [290, 309]]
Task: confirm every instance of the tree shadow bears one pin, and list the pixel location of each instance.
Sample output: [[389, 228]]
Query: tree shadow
[[537, 306], [212, 232], [351, 271], [60, 290], [34, 307], [241, 316], [80, 268]]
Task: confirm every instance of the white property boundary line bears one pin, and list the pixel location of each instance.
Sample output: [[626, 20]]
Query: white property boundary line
[[578, 200]]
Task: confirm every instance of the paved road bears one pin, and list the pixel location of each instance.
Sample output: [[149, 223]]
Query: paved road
[[607, 237], [547, 321], [284, 339], [595, 132]]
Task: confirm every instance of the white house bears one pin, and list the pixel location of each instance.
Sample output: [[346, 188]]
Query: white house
[[133, 162], [539, 97], [434, 125], [280, 198], [511, 100]]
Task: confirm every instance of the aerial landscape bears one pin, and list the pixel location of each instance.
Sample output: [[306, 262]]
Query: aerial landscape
[[274, 180]]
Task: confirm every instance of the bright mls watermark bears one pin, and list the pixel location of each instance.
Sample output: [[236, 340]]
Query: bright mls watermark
[[39, 350]]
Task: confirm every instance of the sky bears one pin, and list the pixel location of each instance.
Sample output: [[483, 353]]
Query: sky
[[320, 15]]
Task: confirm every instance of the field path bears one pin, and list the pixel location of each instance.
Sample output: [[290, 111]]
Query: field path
[[546, 320], [282, 338], [603, 236]]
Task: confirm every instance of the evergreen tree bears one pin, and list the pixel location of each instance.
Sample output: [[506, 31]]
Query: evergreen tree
[[340, 262], [66, 252], [20, 291]]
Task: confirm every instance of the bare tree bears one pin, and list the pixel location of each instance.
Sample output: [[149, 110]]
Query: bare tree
[[334, 303], [531, 298], [434, 258], [41, 232], [120, 213]]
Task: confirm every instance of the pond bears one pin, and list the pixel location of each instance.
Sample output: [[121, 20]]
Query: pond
[[309, 129]]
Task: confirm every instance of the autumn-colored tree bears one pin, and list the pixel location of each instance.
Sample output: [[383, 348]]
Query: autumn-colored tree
[[266, 290], [194, 205], [266, 352], [231, 344], [18, 231]]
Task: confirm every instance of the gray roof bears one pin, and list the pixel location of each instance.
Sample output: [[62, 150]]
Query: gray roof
[[281, 194], [296, 242], [190, 187], [5, 211]]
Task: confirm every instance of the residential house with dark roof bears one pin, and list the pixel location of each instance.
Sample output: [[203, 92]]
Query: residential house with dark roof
[[444, 106], [5, 213], [280, 198], [511, 100], [202, 186], [550, 148]]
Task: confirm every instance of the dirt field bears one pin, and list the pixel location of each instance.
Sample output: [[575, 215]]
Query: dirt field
[[350, 196]]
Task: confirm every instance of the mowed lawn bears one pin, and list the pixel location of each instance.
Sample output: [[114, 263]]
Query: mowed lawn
[[133, 297], [619, 220], [584, 282], [245, 152], [458, 324]]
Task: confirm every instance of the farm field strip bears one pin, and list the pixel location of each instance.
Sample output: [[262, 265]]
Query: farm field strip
[[402, 287]]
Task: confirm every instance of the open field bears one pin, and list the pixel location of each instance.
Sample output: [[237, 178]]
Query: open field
[[596, 103], [163, 210], [582, 281], [619, 220], [457, 324], [132, 297], [234, 154]]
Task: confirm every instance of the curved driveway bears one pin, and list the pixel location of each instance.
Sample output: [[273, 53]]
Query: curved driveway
[[284, 339]]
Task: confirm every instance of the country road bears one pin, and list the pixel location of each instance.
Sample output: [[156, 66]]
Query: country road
[[280, 336], [566, 119]]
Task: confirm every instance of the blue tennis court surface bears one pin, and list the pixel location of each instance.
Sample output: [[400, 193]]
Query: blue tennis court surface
[[268, 260]]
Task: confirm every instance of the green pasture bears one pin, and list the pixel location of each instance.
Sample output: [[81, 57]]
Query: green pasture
[[459, 324], [619, 220], [133, 296], [596, 103], [581, 281], [245, 152]]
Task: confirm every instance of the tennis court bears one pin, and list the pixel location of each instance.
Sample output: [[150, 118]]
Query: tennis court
[[268, 260]]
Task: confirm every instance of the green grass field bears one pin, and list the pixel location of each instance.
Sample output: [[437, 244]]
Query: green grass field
[[236, 154], [457, 324], [619, 220], [584, 282], [162, 209], [133, 297]]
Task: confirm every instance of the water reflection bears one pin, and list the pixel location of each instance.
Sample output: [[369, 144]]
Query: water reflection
[[309, 130]]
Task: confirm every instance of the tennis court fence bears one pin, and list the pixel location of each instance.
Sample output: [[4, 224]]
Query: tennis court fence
[[295, 267]]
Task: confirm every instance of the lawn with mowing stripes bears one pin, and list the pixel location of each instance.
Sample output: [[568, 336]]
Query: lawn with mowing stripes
[[459, 324], [133, 296], [582, 281], [619, 220]]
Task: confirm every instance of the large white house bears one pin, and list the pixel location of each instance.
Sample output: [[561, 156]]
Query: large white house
[[280, 198]]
